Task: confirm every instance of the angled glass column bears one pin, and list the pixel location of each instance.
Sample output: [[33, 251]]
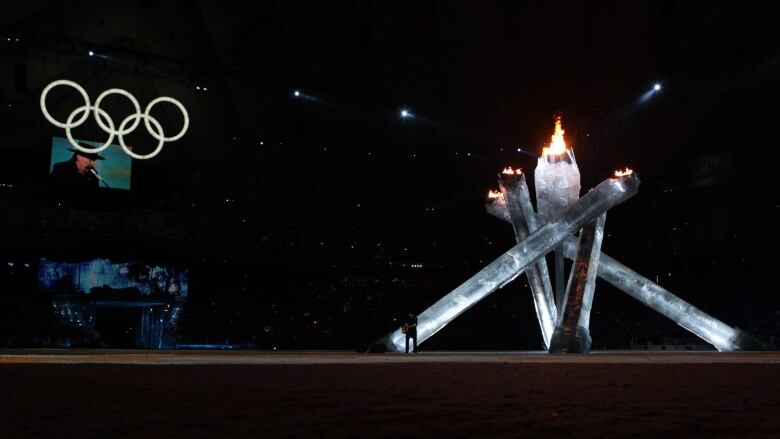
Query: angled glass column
[[530, 217], [514, 187]]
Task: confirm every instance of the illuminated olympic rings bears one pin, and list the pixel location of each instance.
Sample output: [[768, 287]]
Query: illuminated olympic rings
[[104, 121]]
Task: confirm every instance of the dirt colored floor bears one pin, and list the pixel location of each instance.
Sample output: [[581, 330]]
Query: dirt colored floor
[[351, 395]]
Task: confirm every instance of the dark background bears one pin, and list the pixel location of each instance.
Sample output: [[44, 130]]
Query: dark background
[[299, 217]]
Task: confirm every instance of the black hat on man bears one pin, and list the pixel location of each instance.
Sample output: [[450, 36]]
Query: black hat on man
[[89, 155]]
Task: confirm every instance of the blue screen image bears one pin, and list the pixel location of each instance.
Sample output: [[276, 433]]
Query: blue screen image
[[103, 275], [115, 169]]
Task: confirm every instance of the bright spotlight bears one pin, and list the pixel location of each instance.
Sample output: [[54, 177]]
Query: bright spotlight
[[91, 53], [405, 113], [296, 93], [650, 93]]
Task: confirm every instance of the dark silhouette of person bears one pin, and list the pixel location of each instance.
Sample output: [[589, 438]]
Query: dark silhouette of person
[[410, 329], [77, 174]]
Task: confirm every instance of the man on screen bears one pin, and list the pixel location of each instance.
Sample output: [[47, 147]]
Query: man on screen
[[77, 173]]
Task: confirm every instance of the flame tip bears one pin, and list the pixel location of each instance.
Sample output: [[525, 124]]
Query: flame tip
[[509, 171], [623, 172]]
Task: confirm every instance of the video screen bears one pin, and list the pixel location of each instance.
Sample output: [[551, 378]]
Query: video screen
[[110, 168], [103, 277]]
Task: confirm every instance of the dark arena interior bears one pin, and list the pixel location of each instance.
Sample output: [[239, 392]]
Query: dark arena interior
[[238, 257]]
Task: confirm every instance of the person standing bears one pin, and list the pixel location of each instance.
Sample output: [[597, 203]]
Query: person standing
[[410, 329]]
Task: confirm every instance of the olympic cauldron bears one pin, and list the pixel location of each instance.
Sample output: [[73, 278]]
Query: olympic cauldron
[[564, 320]]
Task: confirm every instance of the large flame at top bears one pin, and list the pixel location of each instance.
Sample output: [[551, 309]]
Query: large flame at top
[[557, 145]]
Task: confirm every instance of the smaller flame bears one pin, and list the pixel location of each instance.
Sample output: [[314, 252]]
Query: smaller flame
[[508, 171], [494, 194], [624, 172]]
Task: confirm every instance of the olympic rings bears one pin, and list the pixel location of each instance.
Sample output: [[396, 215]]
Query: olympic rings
[[106, 123]]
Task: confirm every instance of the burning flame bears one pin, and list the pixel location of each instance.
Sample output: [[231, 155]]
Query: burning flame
[[624, 172], [557, 145], [494, 194], [508, 170]]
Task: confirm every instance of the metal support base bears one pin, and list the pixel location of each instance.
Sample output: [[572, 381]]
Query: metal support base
[[571, 341]]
